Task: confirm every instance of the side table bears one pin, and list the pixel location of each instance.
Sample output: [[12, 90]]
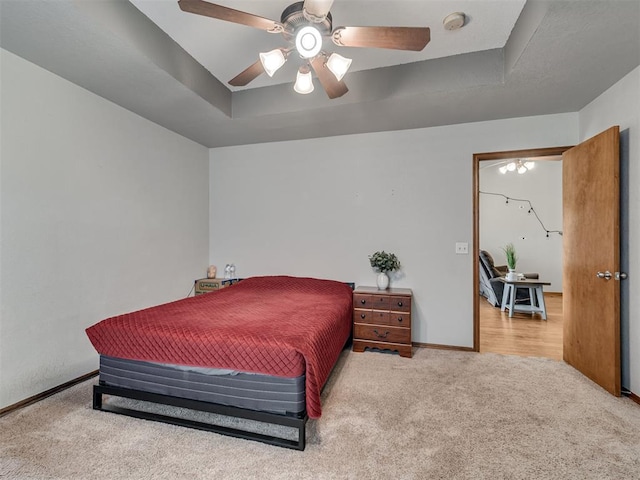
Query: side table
[[382, 319], [536, 296]]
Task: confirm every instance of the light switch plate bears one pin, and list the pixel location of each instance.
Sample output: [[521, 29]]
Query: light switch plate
[[462, 248]]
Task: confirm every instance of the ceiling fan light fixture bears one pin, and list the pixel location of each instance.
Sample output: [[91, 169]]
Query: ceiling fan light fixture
[[308, 41], [304, 81], [272, 61], [338, 65], [316, 10]]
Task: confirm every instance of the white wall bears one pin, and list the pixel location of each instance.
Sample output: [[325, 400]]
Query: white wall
[[502, 222], [620, 105], [102, 212], [320, 207]]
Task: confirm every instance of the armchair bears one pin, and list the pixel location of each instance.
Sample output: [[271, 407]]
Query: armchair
[[491, 287]]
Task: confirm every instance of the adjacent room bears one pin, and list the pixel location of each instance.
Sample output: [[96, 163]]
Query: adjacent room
[[229, 227], [521, 207]]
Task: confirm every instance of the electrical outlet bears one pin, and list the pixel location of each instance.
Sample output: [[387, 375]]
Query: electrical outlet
[[462, 248]]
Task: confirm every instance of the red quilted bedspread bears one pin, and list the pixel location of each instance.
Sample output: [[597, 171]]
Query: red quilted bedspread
[[284, 326]]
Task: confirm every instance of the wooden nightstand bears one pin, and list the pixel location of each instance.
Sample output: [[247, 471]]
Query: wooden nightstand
[[382, 319], [206, 285]]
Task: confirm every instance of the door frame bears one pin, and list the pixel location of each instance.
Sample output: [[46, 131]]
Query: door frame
[[539, 154]]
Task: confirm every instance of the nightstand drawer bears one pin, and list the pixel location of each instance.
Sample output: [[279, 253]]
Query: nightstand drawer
[[400, 304], [362, 316], [382, 333], [376, 317], [399, 319], [380, 317], [362, 301], [380, 302]]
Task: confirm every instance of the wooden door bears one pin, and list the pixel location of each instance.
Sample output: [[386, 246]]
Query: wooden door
[[591, 243]]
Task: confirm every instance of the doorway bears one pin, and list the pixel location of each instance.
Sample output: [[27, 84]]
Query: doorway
[[494, 330]]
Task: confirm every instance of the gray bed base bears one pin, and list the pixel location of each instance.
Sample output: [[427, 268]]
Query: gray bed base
[[267, 393]]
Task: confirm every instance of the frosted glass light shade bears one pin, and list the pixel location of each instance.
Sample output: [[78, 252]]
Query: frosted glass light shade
[[511, 166], [529, 165], [338, 65], [308, 42], [503, 169], [522, 169], [272, 61], [304, 82]]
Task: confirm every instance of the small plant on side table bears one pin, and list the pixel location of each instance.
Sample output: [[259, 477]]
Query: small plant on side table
[[512, 259], [384, 263]]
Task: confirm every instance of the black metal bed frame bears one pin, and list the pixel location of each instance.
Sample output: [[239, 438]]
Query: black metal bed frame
[[296, 421]]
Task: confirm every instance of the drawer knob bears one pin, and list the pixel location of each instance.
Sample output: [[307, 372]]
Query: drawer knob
[[399, 304], [362, 315], [399, 319], [363, 302], [381, 335]]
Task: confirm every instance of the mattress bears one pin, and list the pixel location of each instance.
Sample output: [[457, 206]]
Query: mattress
[[266, 393]]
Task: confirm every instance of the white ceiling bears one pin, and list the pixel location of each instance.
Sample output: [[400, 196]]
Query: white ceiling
[[226, 49], [510, 60]]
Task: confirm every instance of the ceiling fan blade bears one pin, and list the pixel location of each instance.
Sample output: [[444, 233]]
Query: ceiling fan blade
[[247, 75], [397, 38], [317, 10], [200, 7], [333, 87]]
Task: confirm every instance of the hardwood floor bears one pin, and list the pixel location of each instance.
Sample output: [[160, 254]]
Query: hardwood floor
[[524, 334]]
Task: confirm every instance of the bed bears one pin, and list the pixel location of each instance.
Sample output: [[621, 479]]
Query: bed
[[259, 350]]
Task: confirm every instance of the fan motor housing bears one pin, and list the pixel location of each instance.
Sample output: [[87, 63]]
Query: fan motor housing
[[293, 19]]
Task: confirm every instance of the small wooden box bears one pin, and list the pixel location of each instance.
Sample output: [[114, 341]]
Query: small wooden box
[[206, 285]]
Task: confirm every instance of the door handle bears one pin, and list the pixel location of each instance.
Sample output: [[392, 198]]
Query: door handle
[[606, 275], [620, 276]]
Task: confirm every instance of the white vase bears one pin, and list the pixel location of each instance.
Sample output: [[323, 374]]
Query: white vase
[[512, 276], [382, 281]]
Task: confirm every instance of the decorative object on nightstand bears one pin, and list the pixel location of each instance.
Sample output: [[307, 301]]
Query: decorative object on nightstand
[[512, 258], [384, 263], [382, 319], [211, 271], [230, 271]]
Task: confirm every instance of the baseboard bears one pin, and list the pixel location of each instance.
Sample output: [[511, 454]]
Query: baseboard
[[48, 393], [442, 347], [633, 397]]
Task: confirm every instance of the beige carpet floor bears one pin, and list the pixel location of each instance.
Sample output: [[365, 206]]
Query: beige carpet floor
[[439, 415]]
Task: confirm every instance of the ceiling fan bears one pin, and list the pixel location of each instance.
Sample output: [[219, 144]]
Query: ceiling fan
[[303, 25]]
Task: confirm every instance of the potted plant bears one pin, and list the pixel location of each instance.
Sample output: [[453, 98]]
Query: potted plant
[[384, 263], [512, 259]]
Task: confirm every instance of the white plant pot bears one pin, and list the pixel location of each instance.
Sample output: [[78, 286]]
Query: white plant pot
[[382, 281], [512, 276]]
